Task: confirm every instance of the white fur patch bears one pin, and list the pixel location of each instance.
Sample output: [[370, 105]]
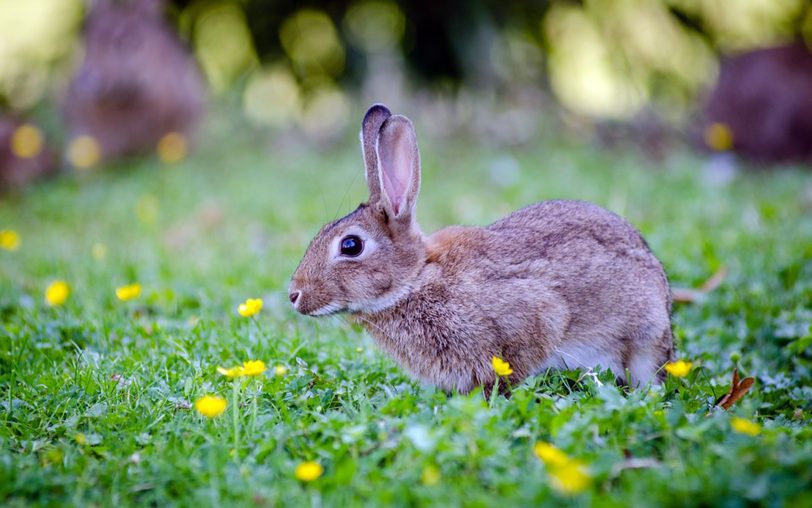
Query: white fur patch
[[327, 309], [381, 303], [642, 367], [579, 354]]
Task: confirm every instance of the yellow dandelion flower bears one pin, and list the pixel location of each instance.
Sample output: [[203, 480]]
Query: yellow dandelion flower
[[248, 368], [430, 476], [549, 454], [746, 427], [679, 368], [232, 372], [570, 478], [27, 141], [253, 368], [128, 292], [57, 293], [719, 137], [280, 370], [172, 148], [80, 439], [250, 307], [308, 471], [211, 405], [501, 367], [84, 152], [9, 240]]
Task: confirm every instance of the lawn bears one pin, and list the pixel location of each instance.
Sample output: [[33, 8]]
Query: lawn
[[97, 394]]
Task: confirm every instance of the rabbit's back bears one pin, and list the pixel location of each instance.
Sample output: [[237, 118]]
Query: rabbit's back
[[577, 237]]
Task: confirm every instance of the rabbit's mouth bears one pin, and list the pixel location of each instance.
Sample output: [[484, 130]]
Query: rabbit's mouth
[[309, 306], [330, 308]]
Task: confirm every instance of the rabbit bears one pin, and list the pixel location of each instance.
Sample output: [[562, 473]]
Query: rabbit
[[136, 82], [763, 98], [561, 284]]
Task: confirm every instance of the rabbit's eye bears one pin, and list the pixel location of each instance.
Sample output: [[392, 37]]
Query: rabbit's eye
[[351, 246]]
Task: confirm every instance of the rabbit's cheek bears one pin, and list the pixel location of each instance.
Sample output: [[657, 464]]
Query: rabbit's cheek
[[382, 283]]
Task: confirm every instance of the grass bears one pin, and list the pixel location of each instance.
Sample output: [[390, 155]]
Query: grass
[[97, 394]]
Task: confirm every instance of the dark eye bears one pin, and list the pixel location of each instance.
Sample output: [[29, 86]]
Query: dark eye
[[351, 246]]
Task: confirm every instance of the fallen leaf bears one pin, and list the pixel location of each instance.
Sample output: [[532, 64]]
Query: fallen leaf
[[737, 391]]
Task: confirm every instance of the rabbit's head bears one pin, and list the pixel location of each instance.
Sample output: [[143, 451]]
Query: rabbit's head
[[366, 261]]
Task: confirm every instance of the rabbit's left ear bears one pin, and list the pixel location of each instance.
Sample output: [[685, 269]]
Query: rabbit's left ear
[[398, 166], [370, 128]]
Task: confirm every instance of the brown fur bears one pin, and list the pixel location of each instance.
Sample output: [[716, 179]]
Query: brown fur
[[557, 284]]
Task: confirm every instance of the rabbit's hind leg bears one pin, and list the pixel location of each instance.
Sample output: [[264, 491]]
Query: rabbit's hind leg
[[644, 364]]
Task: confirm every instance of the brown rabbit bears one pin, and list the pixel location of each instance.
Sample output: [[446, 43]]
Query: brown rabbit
[[561, 284], [136, 82], [764, 98]]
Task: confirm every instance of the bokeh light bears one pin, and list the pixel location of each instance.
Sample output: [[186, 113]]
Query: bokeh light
[[326, 113], [311, 42], [36, 35], [222, 42], [581, 72], [375, 25], [746, 23], [27, 141], [84, 152], [609, 60], [718, 137], [303, 66], [172, 147], [272, 97]]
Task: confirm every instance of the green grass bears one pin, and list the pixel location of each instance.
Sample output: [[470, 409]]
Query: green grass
[[95, 396]]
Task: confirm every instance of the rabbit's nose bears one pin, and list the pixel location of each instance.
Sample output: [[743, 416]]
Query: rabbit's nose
[[294, 296]]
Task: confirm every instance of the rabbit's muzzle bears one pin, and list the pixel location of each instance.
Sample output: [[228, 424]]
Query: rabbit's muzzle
[[310, 301]]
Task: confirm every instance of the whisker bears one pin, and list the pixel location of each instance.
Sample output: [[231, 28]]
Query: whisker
[[344, 197]]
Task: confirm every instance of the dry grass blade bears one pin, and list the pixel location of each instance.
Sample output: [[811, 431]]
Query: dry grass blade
[[715, 280], [689, 295], [686, 295]]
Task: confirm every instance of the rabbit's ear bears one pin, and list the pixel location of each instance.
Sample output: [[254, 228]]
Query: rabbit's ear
[[398, 165], [373, 120]]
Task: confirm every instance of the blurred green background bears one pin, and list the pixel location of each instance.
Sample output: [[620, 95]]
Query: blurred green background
[[307, 63]]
